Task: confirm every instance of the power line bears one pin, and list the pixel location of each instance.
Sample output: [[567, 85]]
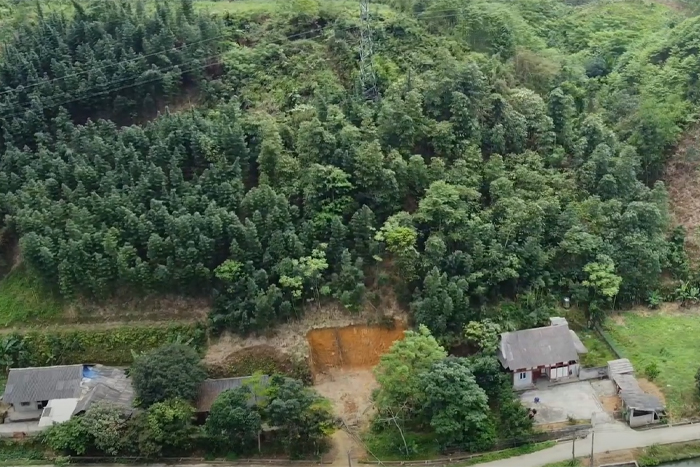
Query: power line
[[116, 64], [152, 54]]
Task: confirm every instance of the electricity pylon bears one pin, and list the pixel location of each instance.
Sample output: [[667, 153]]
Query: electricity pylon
[[368, 79]]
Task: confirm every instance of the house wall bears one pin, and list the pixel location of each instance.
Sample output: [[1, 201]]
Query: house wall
[[575, 369], [522, 381], [32, 407], [641, 420]]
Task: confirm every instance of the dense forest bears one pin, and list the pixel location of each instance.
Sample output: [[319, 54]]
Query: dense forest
[[514, 155]]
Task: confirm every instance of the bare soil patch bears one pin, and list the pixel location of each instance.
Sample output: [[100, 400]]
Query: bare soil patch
[[125, 307], [618, 319], [683, 184], [611, 404], [350, 392], [544, 427], [354, 346], [344, 444], [290, 338]]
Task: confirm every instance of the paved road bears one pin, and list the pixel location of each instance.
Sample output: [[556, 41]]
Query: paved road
[[608, 437]]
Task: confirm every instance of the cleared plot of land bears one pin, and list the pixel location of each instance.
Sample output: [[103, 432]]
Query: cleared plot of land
[[683, 185], [671, 341]]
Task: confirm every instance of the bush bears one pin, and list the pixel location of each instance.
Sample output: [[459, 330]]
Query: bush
[[652, 371], [173, 371]]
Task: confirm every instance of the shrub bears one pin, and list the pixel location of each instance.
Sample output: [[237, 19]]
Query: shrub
[[173, 371], [652, 371]]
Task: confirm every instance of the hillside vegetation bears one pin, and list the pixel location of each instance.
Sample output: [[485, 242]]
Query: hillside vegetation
[[225, 149]]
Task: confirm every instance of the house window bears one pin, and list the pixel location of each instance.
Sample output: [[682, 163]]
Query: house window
[[25, 404], [522, 376]]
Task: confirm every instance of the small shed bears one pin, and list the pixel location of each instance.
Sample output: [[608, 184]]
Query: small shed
[[640, 408], [621, 366]]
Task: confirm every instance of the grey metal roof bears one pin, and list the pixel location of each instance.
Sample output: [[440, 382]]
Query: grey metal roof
[[43, 383], [580, 348], [626, 383], [642, 401], [620, 371], [105, 383], [210, 389], [621, 366], [539, 346], [99, 393]]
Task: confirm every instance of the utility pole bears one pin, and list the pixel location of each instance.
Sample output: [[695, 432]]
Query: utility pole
[[368, 78], [573, 450], [592, 443]]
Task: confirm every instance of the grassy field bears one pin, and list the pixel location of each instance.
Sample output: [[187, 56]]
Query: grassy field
[[660, 454], [599, 354], [668, 339], [25, 301]]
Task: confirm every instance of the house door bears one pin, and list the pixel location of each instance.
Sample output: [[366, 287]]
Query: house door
[[562, 372]]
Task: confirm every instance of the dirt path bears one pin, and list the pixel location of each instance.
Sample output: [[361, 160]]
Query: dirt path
[[96, 326]]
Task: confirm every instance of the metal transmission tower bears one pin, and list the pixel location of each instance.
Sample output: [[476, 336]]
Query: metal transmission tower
[[368, 78]]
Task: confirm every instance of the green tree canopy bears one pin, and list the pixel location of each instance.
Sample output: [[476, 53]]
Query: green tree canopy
[[456, 406], [233, 421], [399, 370], [172, 371]]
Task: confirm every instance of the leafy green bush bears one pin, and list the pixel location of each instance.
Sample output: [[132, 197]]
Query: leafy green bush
[[652, 371], [172, 371]]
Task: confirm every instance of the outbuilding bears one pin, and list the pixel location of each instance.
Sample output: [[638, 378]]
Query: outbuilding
[[639, 407]]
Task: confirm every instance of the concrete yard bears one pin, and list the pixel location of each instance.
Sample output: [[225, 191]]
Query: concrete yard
[[557, 403]]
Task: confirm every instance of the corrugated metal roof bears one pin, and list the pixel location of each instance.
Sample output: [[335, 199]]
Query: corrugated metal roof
[[210, 389], [43, 383], [621, 372], [106, 384], [580, 348], [642, 401], [626, 383], [531, 348], [98, 393], [621, 366]]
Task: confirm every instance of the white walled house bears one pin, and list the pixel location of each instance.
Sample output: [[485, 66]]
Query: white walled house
[[550, 352], [39, 397]]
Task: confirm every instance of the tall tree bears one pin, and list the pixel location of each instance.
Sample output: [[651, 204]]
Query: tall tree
[[169, 372]]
